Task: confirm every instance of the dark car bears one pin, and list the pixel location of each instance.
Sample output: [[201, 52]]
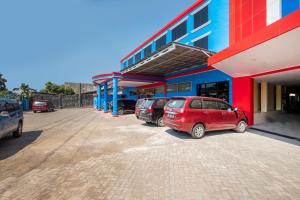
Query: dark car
[[196, 115], [11, 118], [125, 106], [152, 111], [42, 106]]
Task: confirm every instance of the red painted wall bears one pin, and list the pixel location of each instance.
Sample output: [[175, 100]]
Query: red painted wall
[[243, 96], [246, 17]]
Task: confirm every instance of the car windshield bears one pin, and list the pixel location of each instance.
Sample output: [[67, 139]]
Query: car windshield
[[139, 102], [147, 103], [176, 103], [40, 103]]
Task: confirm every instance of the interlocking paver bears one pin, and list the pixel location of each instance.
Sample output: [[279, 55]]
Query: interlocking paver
[[84, 154]]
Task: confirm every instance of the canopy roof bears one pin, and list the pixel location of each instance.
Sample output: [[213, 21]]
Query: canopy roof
[[171, 58]]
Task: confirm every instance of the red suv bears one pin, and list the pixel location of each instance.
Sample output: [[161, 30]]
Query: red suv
[[196, 115]]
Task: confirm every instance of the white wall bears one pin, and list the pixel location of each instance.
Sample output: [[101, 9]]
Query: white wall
[[273, 11]]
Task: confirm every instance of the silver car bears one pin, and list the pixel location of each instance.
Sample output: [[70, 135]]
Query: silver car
[[11, 118]]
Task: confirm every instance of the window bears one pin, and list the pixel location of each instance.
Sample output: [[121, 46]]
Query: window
[[184, 87], [130, 62], [148, 51], [201, 17], [172, 88], [159, 90], [138, 57], [217, 90], [161, 42], [210, 105], [223, 106], [179, 31], [203, 43], [179, 87], [176, 103], [196, 104], [124, 65]]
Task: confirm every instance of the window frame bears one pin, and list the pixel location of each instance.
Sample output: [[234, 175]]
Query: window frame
[[190, 105], [206, 36], [198, 12], [178, 28], [146, 48], [172, 84], [182, 83], [130, 62], [160, 39], [139, 58]]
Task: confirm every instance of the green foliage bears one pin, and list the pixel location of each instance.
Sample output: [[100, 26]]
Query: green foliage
[[53, 88], [24, 90], [2, 83]]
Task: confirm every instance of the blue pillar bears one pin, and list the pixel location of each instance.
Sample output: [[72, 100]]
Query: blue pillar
[[169, 36], [99, 97], [105, 105], [190, 23], [115, 96]]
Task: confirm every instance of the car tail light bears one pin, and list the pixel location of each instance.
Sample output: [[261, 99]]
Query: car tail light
[[149, 110]]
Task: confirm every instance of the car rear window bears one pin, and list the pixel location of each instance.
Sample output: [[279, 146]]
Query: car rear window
[[176, 103], [147, 103], [40, 103], [139, 102]]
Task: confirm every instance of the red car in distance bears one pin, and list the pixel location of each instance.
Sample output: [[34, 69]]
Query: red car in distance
[[197, 115], [42, 106]]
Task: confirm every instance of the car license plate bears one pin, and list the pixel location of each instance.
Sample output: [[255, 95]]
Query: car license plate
[[172, 116]]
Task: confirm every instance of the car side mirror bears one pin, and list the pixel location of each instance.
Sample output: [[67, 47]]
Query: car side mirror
[[4, 114], [235, 109]]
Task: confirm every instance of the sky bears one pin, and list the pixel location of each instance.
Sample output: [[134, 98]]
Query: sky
[[72, 40]]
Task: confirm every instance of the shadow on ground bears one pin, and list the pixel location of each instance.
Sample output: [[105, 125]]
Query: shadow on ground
[[9, 146], [281, 138], [184, 135]]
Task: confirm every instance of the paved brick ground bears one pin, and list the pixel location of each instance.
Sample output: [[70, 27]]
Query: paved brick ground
[[83, 154]]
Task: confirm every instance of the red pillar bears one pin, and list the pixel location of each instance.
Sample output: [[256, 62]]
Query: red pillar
[[165, 89], [243, 96]]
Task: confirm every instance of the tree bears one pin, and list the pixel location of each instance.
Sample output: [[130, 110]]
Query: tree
[[53, 88], [2, 83], [24, 90]]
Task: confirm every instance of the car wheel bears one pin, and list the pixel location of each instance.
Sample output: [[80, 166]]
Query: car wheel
[[198, 131], [160, 122], [241, 127], [148, 123], [19, 131], [34, 111]]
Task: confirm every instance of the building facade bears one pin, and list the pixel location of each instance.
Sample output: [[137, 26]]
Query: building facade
[[231, 49]]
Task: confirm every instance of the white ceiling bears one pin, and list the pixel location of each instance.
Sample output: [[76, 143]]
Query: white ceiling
[[277, 53], [288, 78]]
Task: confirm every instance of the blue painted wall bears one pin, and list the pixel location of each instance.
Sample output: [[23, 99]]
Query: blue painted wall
[[200, 78], [126, 91], [217, 28], [289, 6]]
